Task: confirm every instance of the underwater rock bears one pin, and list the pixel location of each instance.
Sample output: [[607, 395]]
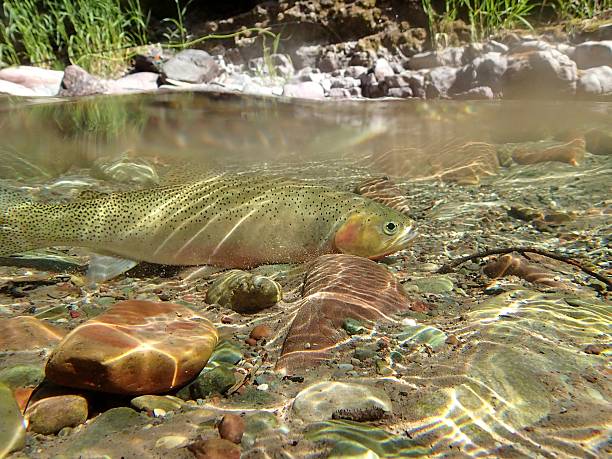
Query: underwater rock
[[599, 142], [356, 440], [231, 427], [215, 448], [421, 334], [335, 399], [192, 66], [156, 402], [98, 437], [516, 265], [50, 415], [338, 287], [383, 190], [136, 347], [27, 333], [544, 151], [21, 376], [260, 332], [211, 381], [12, 425], [244, 292]]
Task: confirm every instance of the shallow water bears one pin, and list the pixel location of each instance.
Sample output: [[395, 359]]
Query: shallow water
[[494, 368]]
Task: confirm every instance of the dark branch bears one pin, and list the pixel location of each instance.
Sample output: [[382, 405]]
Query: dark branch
[[450, 266]]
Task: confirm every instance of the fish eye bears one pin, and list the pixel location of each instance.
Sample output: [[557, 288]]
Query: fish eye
[[390, 228]]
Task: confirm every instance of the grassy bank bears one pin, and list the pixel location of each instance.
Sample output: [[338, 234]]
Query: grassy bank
[[101, 35]]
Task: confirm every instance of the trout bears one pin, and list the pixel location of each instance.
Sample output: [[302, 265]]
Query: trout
[[234, 221]]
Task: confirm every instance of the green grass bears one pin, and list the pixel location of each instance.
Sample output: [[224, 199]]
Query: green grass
[[96, 34], [487, 17], [568, 10]]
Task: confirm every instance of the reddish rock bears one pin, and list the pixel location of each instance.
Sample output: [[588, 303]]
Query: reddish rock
[[22, 396], [260, 332], [136, 347], [231, 428], [338, 287], [215, 448], [251, 341], [27, 333]]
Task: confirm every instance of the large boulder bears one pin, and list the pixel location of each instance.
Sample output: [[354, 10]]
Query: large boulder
[[136, 347], [595, 82], [539, 74], [192, 66], [593, 54]]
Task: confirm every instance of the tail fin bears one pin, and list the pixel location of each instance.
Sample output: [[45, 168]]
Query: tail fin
[[12, 237]]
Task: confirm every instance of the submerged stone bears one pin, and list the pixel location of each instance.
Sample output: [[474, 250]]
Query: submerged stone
[[136, 347], [244, 292], [50, 415], [155, 402], [211, 381], [337, 288], [26, 333], [22, 376], [355, 440], [12, 425], [422, 334], [333, 399]]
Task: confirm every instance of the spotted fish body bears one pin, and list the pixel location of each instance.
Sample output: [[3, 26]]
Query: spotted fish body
[[228, 221]]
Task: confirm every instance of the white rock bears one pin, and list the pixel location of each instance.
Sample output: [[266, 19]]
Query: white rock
[[43, 82], [595, 81], [14, 89], [142, 81], [305, 90], [320, 401], [382, 69], [593, 54]]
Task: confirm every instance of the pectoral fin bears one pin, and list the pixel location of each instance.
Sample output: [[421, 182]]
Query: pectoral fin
[[105, 267]]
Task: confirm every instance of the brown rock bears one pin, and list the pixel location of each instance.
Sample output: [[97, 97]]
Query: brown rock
[[50, 415], [231, 428], [215, 448], [136, 347], [260, 332], [251, 341], [540, 152], [338, 287], [594, 349], [27, 333]]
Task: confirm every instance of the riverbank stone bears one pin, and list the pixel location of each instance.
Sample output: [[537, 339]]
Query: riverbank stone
[[50, 415]]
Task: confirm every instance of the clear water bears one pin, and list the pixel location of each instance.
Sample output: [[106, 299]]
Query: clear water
[[516, 383]]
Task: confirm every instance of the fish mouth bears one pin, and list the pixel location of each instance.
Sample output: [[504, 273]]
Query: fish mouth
[[399, 243], [405, 237]]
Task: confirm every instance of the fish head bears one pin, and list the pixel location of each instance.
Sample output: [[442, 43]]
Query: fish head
[[374, 232]]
